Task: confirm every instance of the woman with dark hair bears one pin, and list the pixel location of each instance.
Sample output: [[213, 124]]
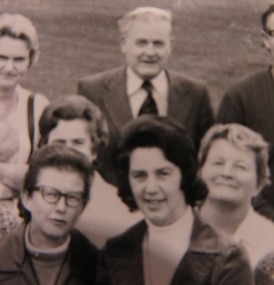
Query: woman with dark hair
[[156, 168]]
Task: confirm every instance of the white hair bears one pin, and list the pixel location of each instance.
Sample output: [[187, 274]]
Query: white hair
[[143, 13]]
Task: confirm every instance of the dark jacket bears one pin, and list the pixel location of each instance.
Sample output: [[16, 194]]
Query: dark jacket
[[209, 260], [250, 102], [16, 266], [188, 102]]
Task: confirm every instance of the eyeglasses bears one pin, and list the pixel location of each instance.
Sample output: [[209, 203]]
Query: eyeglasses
[[53, 195]]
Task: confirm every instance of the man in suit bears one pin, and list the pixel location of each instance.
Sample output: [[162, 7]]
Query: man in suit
[[251, 102], [144, 84]]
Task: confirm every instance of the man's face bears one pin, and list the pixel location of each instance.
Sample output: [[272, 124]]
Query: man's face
[[268, 39], [51, 223], [147, 47]]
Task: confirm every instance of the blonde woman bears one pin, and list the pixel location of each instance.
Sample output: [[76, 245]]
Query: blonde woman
[[233, 163], [20, 109]]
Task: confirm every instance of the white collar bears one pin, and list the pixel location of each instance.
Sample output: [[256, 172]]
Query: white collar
[[245, 231], [134, 82], [37, 251], [185, 222]]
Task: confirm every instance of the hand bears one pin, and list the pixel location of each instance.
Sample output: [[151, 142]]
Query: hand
[[7, 221]]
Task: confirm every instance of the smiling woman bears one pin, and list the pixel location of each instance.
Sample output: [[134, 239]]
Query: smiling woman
[[20, 110], [233, 163], [156, 168]]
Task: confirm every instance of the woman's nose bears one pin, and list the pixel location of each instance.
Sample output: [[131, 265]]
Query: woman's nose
[[150, 50], [227, 170], [61, 204], [152, 185]]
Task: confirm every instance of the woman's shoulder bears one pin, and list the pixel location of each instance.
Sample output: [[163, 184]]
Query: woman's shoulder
[[25, 94], [129, 240]]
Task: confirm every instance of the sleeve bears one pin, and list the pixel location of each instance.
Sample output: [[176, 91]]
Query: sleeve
[[102, 275], [231, 109], [233, 268]]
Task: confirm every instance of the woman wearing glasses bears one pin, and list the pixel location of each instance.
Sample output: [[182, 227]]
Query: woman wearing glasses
[[46, 249]]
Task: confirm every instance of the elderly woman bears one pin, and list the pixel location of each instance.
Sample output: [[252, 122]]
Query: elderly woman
[[156, 169], [20, 109], [233, 163], [76, 122], [46, 249]]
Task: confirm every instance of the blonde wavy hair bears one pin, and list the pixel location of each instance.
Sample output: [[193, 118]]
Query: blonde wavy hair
[[243, 138], [19, 27]]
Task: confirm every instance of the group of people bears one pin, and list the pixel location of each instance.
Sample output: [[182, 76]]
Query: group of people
[[131, 181]]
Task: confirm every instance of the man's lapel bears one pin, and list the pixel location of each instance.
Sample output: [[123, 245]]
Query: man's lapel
[[116, 100], [179, 103]]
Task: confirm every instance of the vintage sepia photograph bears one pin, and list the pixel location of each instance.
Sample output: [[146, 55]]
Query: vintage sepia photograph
[[137, 142]]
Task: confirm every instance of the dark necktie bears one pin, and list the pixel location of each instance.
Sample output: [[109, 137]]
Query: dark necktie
[[149, 105]]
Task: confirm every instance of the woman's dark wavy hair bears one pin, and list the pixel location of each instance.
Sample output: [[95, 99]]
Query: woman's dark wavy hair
[[60, 158], [172, 138], [72, 107], [265, 16]]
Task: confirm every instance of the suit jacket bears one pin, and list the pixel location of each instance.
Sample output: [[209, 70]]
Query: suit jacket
[[250, 102], [16, 266], [188, 102], [209, 260]]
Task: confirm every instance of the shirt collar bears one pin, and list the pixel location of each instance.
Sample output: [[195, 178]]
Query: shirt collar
[[160, 82], [38, 251], [134, 82], [243, 232]]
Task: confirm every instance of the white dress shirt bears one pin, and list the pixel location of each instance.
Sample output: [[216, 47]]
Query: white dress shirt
[[256, 233], [137, 95]]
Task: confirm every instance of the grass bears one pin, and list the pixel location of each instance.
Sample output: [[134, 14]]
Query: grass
[[216, 40]]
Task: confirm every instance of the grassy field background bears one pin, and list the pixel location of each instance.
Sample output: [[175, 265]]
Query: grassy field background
[[216, 40]]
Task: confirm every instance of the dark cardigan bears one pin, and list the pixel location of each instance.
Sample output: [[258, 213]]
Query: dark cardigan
[[209, 260], [16, 266]]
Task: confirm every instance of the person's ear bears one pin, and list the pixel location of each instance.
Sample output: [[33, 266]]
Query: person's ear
[[265, 40], [123, 44], [26, 199], [93, 156]]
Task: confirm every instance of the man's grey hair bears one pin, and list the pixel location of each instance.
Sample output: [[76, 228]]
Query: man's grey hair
[[143, 13]]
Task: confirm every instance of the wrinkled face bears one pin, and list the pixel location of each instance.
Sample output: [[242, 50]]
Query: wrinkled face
[[155, 183], [14, 61], [73, 134], [147, 47], [53, 221], [230, 173]]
